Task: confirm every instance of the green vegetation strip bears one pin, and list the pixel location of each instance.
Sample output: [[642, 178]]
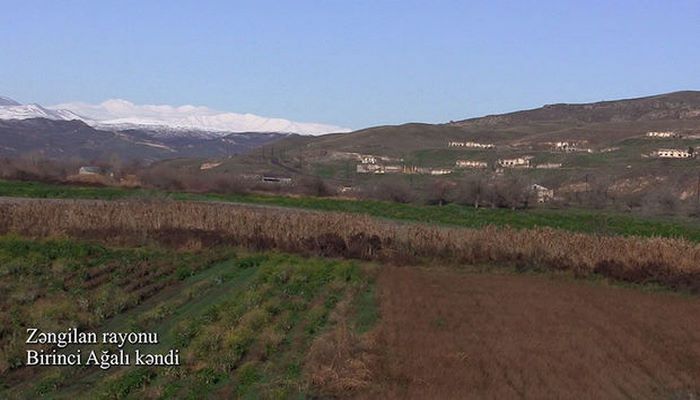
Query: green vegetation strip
[[243, 322], [455, 215]]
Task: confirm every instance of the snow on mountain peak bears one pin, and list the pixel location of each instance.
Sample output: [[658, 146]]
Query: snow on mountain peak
[[26, 111], [119, 113]]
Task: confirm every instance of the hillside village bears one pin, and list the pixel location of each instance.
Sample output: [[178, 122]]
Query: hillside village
[[373, 164]]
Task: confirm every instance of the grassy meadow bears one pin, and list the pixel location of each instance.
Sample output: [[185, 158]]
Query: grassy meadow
[[574, 220], [248, 325]]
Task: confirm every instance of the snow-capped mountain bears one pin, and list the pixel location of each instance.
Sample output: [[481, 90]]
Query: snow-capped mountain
[[27, 111], [11, 109], [162, 120], [169, 120], [130, 132]]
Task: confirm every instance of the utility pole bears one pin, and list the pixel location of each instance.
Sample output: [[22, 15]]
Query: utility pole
[[697, 194]]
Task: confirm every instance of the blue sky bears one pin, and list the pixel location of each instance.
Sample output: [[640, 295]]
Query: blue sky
[[350, 63]]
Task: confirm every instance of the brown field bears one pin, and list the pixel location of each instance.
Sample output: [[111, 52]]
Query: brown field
[[450, 334], [674, 263]]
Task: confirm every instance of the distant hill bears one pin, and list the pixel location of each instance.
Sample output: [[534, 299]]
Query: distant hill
[[602, 124], [59, 139], [672, 106]]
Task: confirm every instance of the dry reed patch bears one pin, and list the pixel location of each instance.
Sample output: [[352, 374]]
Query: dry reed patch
[[674, 263], [449, 334]]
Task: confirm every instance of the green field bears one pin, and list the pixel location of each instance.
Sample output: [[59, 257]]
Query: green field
[[243, 322], [455, 215]]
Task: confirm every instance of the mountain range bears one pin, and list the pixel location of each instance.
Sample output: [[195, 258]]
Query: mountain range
[[118, 128], [58, 133], [118, 114]]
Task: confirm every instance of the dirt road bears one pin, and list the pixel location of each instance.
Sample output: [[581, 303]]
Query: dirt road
[[449, 334]]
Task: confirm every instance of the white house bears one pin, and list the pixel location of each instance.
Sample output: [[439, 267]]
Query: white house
[[548, 166], [440, 171], [571, 146], [520, 162], [664, 134], [284, 180], [369, 169], [473, 145], [543, 194], [90, 170], [368, 159], [673, 153], [471, 164], [393, 169]]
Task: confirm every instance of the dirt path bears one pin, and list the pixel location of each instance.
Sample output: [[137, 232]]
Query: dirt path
[[449, 334]]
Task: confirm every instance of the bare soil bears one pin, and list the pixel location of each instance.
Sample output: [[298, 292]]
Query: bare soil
[[450, 334]]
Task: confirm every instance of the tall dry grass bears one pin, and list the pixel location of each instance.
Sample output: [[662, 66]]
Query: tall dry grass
[[671, 262]]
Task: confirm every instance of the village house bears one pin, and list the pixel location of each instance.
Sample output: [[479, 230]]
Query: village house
[[548, 166], [471, 164], [426, 171], [89, 170], [393, 169], [665, 134], [541, 193], [673, 153], [92, 170], [284, 180], [440, 171], [209, 165], [368, 159], [369, 169], [520, 162], [571, 146], [473, 145]]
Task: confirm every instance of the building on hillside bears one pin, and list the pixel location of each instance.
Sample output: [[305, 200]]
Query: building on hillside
[[379, 169], [90, 170], [209, 165], [673, 153], [473, 145], [393, 169], [519, 162], [369, 169], [412, 169], [96, 171], [283, 180], [541, 193], [572, 146], [440, 171], [368, 159], [548, 166], [471, 164], [664, 134]]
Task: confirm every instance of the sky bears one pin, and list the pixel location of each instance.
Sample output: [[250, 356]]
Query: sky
[[352, 63]]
